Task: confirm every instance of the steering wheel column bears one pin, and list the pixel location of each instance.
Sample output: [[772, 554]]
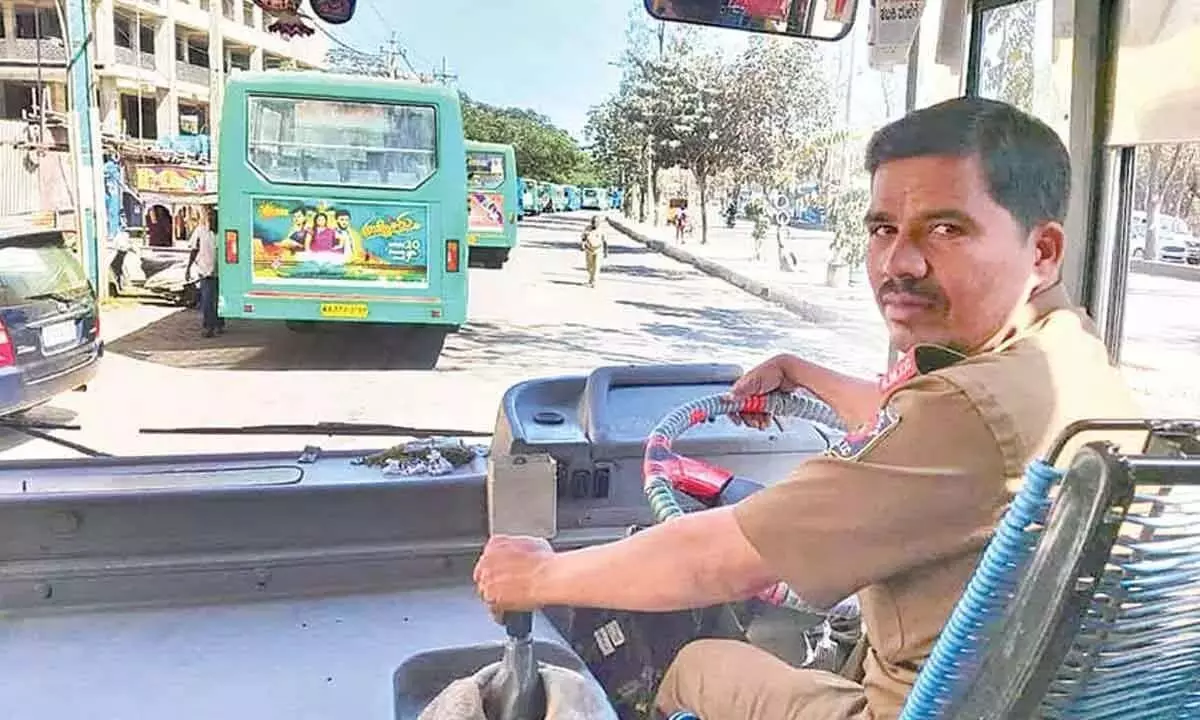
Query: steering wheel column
[[665, 471]]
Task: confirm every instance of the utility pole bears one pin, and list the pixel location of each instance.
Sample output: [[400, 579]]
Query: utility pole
[[444, 76], [216, 78], [391, 55], [85, 137]]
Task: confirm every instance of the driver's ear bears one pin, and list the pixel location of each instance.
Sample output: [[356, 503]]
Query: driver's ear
[[1047, 243]]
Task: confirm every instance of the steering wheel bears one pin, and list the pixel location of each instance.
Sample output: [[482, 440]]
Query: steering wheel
[[664, 472]]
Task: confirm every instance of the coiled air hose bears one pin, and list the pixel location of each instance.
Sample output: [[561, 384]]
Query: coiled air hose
[[988, 592], [657, 483]]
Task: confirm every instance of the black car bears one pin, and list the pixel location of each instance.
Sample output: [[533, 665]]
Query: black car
[[49, 320]]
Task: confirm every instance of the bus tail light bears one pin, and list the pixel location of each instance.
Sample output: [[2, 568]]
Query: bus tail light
[[231, 247], [8, 353], [452, 255]]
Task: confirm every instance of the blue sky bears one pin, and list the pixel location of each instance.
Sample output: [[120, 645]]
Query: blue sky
[[549, 55]]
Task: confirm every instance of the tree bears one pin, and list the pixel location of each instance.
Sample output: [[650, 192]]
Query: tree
[[543, 151], [352, 62], [617, 147], [782, 109], [1009, 74], [683, 102]]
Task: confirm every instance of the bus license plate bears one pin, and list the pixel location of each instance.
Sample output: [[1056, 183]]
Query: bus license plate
[[344, 310], [59, 334]]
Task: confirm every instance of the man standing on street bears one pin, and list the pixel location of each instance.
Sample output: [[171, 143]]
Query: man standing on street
[[204, 259]]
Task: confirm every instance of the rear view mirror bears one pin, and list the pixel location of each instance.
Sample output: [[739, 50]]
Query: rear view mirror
[[813, 19]]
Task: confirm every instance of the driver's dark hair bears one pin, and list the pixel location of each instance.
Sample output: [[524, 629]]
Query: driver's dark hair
[[1025, 165]]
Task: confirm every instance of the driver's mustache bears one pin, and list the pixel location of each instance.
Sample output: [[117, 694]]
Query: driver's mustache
[[910, 286]]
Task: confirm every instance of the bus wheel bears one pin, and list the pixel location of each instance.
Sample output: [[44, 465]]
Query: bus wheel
[[496, 259], [301, 326], [423, 345]]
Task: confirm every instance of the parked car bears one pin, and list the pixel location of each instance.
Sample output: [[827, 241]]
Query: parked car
[[1174, 239], [49, 320]]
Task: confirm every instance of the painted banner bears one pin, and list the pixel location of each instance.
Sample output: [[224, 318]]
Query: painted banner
[[174, 179], [485, 212], [351, 242]]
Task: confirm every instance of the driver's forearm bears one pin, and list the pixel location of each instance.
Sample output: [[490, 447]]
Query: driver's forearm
[[697, 560], [855, 400]]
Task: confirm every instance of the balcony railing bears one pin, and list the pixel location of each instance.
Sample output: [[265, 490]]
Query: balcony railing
[[191, 73], [143, 60], [26, 50]]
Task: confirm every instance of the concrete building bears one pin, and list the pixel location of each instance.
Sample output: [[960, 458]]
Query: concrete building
[[153, 62]]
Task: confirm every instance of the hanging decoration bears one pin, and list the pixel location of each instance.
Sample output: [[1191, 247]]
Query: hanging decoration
[[288, 20], [334, 12]]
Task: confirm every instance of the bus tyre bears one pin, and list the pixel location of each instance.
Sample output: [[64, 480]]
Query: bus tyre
[[495, 260], [424, 343], [301, 326]]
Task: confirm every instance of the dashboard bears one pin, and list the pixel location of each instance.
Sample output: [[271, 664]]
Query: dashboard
[[303, 585]]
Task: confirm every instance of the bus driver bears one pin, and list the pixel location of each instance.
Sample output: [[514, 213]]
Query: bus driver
[[966, 243]]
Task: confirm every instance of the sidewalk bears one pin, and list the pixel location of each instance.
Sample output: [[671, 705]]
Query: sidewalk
[[856, 338]]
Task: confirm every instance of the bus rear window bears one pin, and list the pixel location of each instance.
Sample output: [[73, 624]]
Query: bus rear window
[[485, 171], [337, 142]]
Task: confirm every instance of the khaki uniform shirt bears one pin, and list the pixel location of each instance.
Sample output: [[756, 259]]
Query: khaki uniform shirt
[[900, 513]]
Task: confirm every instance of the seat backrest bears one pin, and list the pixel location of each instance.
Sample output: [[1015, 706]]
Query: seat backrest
[[1086, 602]]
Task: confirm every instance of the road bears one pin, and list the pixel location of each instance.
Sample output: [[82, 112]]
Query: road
[[536, 317]]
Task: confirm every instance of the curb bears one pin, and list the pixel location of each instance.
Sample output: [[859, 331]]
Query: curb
[[1179, 271], [805, 310]]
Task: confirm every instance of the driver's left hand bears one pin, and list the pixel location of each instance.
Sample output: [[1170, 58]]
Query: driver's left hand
[[507, 572]]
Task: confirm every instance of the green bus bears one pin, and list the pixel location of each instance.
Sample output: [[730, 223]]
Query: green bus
[[492, 188], [593, 198], [544, 196], [528, 199], [558, 197], [340, 200]]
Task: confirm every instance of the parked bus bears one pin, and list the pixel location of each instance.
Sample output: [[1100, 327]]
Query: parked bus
[[527, 198], [491, 199], [592, 199], [545, 197], [558, 197], [340, 200], [574, 201]]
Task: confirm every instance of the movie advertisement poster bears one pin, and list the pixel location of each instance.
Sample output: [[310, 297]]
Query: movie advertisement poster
[[485, 212], [329, 241]]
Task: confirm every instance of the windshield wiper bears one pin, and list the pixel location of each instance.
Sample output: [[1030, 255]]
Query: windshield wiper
[[321, 428], [22, 424], [60, 297]]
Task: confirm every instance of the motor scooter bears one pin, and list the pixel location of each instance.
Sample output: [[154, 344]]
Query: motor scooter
[[161, 272]]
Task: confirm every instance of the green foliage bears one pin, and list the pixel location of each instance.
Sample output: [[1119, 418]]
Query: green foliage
[[849, 236], [543, 151], [761, 117]]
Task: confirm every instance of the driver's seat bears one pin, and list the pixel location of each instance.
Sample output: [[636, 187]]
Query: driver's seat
[[1086, 603]]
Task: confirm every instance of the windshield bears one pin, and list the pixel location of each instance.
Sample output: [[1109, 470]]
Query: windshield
[[485, 171], [354, 283], [38, 269]]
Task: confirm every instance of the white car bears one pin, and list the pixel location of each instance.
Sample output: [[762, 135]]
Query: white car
[[1174, 239]]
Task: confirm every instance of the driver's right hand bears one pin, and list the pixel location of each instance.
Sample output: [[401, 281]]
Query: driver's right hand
[[769, 376]]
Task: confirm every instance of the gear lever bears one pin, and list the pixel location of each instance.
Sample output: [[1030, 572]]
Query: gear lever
[[521, 501], [520, 694]]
